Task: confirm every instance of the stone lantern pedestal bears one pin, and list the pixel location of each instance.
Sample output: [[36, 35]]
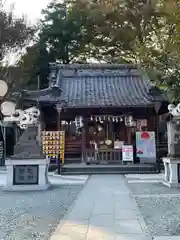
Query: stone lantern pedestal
[[27, 169], [172, 172], [27, 175], [172, 161]]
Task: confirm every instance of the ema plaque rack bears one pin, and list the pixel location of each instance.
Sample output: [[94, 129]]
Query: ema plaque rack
[[53, 143]]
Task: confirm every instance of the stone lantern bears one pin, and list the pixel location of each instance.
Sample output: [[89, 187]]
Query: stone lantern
[[27, 169], [172, 161]]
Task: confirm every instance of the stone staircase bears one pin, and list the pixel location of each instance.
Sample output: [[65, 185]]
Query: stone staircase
[[81, 169]]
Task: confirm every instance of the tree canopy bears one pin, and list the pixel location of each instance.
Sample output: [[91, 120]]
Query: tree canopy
[[145, 32], [34, 66], [15, 34], [64, 29]]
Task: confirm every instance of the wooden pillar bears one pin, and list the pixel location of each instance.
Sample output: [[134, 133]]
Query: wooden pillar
[[111, 133], [59, 109], [83, 138], [58, 120], [128, 135], [158, 164], [39, 132], [157, 108], [39, 125]]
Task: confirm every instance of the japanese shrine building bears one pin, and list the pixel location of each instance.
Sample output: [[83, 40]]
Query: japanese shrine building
[[111, 101]]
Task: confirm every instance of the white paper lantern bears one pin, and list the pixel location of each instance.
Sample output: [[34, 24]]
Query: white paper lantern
[[8, 108], [3, 88]]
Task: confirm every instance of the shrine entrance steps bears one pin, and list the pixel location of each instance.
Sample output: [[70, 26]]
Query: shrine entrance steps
[[81, 169]]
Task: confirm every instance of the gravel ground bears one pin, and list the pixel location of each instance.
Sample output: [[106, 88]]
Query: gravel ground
[[34, 215], [161, 213]]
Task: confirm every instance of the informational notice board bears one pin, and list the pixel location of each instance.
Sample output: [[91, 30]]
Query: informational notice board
[[127, 153], [146, 146]]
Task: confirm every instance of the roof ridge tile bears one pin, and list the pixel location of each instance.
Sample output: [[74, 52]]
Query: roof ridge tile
[[93, 66]]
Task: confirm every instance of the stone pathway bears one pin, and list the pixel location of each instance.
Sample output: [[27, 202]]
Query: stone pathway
[[103, 211]]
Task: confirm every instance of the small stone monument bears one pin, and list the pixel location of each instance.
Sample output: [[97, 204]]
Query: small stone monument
[[172, 161], [27, 169]]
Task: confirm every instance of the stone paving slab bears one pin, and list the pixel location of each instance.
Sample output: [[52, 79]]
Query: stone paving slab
[[126, 214], [104, 210], [128, 227], [103, 233], [102, 220]]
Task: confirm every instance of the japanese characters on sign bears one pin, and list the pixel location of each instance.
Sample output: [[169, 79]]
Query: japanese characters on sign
[[127, 153], [25, 175]]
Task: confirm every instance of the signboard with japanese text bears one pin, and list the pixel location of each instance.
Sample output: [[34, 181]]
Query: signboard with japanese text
[[142, 123], [127, 153], [25, 175]]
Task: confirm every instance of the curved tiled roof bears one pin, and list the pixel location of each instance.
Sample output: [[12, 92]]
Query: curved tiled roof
[[105, 91], [102, 85]]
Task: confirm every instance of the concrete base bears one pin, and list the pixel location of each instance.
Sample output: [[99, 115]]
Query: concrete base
[[25, 188], [171, 175], [43, 183], [171, 185]]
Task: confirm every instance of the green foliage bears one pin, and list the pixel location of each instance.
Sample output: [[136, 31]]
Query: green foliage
[[160, 58], [34, 66], [14, 32], [63, 29], [119, 26], [145, 32]]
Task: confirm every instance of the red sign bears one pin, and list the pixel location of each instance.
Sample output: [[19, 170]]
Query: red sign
[[145, 135]]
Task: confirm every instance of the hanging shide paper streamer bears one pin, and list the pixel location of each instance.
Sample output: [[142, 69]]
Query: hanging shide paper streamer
[[79, 122], [103, 118]]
